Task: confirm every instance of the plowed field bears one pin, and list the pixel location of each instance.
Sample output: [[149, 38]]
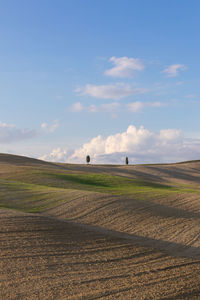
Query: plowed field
[[99, 232]]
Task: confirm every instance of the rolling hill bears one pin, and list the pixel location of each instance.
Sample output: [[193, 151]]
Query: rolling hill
[[99, 231]]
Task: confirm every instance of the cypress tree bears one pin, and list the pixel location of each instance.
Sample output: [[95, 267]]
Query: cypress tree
[[87, 159]]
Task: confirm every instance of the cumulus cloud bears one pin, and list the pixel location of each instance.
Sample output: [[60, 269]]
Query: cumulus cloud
[[56, 155], [50, 127], [115, 91], [124, 66], [140, 145], [138, 105], [10, 133], [173, 70]]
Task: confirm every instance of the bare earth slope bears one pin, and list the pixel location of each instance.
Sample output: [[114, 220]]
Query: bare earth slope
[[42, 258], [99, 232]]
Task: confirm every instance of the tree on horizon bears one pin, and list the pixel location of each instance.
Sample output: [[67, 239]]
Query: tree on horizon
[[87, 159]]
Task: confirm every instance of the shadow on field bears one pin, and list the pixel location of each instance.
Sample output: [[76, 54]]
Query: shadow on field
[[157, 209], [174, 172], [127, 206], [58, 234]]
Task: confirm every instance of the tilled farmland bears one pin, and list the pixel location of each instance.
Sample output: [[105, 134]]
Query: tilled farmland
[[88, 243]]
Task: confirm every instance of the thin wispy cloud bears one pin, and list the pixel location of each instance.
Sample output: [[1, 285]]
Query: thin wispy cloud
[[115, 91], [138, 105], [50, 127], [77, 107], [93, 108], [114, 107], [9, 133], [107, 107], [135, 106], [124, 66], [173, 70]]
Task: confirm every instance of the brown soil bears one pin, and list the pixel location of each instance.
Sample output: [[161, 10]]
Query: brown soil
[[44, 258], [102, 246]]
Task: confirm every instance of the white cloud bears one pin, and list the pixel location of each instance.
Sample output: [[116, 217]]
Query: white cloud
[[112, 91], [44, 125], [107, 107], [173, 70], [124, 66], [138, 105], [156, 104], [135, 106], [77, 107], [114, 107], [10, 133], [57, 155], [93, 108], [50, 128], [140, 145], [54, 126], [169, 135]]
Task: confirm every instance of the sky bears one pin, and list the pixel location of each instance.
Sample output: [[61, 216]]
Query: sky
[[108, 79]]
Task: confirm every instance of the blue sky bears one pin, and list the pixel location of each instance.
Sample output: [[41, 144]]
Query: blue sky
[[72, 70]]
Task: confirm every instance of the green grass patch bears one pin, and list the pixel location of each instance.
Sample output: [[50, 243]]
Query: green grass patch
[[118, 185], [50, 189], [111, 184], [30, 197]]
